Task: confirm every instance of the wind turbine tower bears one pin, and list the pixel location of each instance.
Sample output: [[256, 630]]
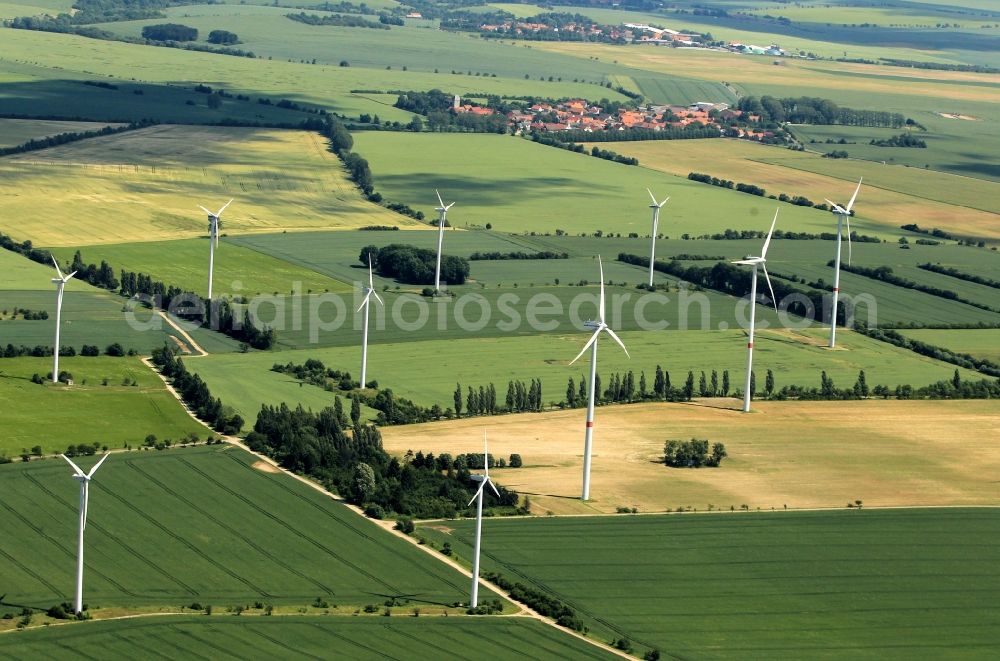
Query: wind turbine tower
[[755, 262], [655, 206], [84, 480], [599, 327], [843, 215], [442, 210], [484, 480], [60, 284], [213, 243], [366, 304]]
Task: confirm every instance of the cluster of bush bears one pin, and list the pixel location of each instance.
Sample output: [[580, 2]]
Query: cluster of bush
[[339, 20], [71, 136], [901, 140], [961, 275], [556, 140], [541, 602], [734, 235], [415, 266], [693, 454], [89, 350], [960, 359], [935, 232], [751, 189], [28, 315], [498, 256], [813, 110]]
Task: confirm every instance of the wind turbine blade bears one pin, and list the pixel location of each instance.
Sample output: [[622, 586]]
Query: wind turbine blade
[[586, 346], [616, 339], [600, 311], [75, 467], [98, 464], [848, 219], [835, 207], [478, 491], [493, 487], [364, 301], [440, 201], [85, 485], [652, 197], [66, 279], [854, 197], [371, 281], [665, 200], [219, 213], [56, 264], [768, 279], [378, 298], [767, 241], [449, 206], [206, 210], [486, 456]]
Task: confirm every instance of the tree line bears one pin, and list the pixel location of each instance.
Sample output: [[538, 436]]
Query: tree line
[[960, 359], [340, 20], [814, 110], [415, 266], [71, 136], [517, 255], [353, 464], [885, 274], [742, 235], [736, 281], [555, 140], [195, 393], [961, 275], [901, 140], [689, 132], [752, 189]]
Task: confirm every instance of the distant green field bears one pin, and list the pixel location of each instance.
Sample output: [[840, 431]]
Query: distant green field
[[506, 639], [427, 371], [88, 411], [880, 584], [15, 132], [202, 525], [517, 185], [981, 343], [682, 91], [328, 86], [184, 263]]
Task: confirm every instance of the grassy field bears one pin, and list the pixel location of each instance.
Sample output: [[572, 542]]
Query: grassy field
[[355, 638], [520, 186], [863, 585], [98, 408], [60, 56], [796, 357], [184, 263], [204, 525], [891, 196], [146, 185], [15, 132], [981, 343], [794, 454]]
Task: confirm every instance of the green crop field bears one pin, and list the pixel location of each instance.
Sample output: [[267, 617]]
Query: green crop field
[[184, 263], [60, 56], [979, 342], [146, 185], [682, 91], [203, 525], [795, 357], [879, 584], [15, 132], [98, 408], [281, 637], [517, 185]]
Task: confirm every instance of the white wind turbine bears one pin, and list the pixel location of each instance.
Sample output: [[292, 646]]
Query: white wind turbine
[[843, 215], [213, 242], [484, 480], [442, 210], [599, 326], [366, 304], [655, 206], [755, 262], [60, 283], [84, 480]]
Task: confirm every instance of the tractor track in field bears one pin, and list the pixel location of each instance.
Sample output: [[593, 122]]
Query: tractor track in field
[[229, 528], [349, 525], [292, 530]]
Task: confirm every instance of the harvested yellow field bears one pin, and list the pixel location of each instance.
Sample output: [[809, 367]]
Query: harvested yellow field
[[892, 195], [794, 454], [146, 185]]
